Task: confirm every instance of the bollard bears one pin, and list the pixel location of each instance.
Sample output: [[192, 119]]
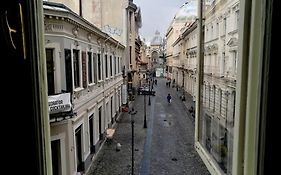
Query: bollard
[[118, 147]]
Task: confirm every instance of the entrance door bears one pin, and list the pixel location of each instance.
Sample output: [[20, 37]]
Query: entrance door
[[56, 157], [91, 128], [100, 125], [78, 139]]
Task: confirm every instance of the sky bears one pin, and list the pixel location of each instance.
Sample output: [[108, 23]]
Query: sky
[[157, 15]]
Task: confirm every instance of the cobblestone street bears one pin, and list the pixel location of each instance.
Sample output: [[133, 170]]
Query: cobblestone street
[[166, 146]]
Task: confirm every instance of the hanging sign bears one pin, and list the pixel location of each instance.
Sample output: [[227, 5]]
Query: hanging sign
[[59, 103]]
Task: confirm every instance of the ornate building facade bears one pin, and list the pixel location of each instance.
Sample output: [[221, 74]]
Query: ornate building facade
[[220, 69], [219, 86], [88, 62], [185, 15]]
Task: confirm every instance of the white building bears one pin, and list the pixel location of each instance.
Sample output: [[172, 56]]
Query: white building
[[219, 85], [219, 89], [185, 16], [87, 63], [188, 60]]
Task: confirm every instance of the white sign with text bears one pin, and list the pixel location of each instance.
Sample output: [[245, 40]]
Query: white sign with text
[[59, 103]]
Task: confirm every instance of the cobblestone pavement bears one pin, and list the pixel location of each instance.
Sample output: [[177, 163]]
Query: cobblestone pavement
[[165, 147]]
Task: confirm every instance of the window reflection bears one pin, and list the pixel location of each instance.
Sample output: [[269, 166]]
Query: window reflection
[[219, 81]]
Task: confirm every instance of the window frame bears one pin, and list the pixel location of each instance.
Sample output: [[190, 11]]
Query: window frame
[[79, 87], [250, 51], [90, 67]]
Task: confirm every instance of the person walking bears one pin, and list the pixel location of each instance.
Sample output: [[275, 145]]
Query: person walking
[[169, 98]]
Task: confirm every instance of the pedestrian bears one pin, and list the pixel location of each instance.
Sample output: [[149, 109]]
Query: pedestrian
[[155, 81], [169, 98]]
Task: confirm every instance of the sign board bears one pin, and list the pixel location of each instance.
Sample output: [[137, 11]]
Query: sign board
[[59, 103]]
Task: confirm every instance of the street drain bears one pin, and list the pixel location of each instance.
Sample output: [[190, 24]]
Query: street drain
[[165, 120], [174, 159]]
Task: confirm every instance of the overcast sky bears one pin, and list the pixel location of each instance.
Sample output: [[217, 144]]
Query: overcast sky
[[157, 15]]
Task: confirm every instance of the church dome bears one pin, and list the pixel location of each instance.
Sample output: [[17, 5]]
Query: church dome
[[187, 12], [157, 39]]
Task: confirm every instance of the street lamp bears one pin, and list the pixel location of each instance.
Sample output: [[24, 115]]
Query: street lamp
[[144, 117], [183, 96], [139, 78], [132, 113], [149, 102]]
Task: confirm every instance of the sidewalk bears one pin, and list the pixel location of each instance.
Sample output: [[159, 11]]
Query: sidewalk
[[111, 161], [188, 103]]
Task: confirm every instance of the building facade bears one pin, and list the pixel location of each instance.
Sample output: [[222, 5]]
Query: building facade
[[185, 15], [133, 49], [185, 72], [86, 64], [220, 69], [219, 85], [156, 55]]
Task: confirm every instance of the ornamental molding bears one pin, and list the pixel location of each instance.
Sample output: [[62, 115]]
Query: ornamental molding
[[232, 42], [75, 31], [54, 27]]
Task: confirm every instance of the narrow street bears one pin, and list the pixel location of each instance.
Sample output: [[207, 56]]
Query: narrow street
[[166, 146]]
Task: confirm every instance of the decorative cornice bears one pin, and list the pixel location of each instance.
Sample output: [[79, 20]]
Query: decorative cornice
[[70, 17]]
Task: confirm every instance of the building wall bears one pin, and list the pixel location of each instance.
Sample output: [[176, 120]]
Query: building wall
[[133, 25], [189, 57], [62, 132], [220, 65], [172, 35], [113, 19], [90, 9], [65, 33], [94, 12]]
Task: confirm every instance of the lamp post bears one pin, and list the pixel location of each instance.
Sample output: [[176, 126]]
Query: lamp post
[[139, 78], [183, 96], [144, 117], [149, 102], [132, 113], [152, 83]]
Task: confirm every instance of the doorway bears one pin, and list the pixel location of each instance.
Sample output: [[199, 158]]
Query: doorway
[[56, 157]]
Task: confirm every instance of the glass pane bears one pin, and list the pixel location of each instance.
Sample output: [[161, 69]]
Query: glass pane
[[219, 80]]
